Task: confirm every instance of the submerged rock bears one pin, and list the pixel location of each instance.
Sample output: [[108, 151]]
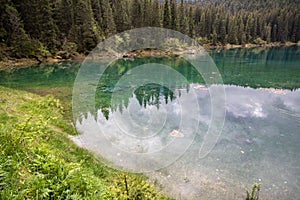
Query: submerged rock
[[176, 133], [200, 87], [244, 139], [274, 90]]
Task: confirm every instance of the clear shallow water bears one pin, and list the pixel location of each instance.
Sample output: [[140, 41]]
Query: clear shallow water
[[259, 141]]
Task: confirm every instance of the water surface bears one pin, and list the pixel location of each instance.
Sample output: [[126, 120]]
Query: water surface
[[259, 141]]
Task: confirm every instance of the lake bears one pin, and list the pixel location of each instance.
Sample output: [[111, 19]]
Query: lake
[[143, 116]]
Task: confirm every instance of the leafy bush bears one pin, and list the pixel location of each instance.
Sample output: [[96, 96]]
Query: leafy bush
[[203, 40], [259, 41]]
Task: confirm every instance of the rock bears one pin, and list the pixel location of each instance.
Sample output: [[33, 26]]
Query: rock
[[275, 91], [200, 87], [176, 133]]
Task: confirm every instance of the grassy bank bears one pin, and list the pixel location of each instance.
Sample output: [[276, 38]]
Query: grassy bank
[[38, 161]]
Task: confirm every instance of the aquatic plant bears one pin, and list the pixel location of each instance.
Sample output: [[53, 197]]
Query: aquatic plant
[[254, 194]]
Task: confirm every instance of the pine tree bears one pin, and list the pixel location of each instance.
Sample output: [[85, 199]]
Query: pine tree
[[232, 31], [248, 29], [197, 20], [97, 11], [222, 32], [38, 21], [241, 31], [267, 33], [182, 20], [12, 30], [296, 28], [155, 14], [167, 15], [121, 17], [48, 25], [208, 22], [173, 14], [136, 14], [202, 25], [84, 32], [191, 22], [146, 13], [282, 28], [108, 23]]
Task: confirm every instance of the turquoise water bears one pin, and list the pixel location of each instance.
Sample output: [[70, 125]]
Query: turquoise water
[[165, 125]]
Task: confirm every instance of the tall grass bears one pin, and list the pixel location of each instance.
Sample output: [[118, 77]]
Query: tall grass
[[38, 161]]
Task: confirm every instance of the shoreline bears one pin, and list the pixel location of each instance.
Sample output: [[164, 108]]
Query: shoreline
[[10, 63]]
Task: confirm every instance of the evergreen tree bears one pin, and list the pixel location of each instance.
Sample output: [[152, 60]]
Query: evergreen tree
[[97, 11], [173, 15], [222, 32], [48, 25], [38, 21], [191, 22], [182, 20], [241, 31], [208, 22], [108, 22], [267, 33], [64, 18], [248, 29], [232, 31], [155, 14], [202, 25], [146, 13], [282, 29], [121, 17], [84, 32], [136, 14], [11, 29], [167, 15]]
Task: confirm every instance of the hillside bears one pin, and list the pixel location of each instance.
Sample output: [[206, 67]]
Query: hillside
[[38, 29]]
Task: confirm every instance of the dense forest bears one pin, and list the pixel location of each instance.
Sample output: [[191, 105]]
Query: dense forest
[[32, 28]]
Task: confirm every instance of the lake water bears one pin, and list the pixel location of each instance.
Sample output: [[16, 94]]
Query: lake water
[[143, 125]]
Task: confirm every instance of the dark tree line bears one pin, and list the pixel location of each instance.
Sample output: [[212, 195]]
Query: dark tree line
[[43, 27]]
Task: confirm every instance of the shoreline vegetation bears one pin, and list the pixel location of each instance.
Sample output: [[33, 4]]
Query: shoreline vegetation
[[54, 31], [39, 161], [61, 56]]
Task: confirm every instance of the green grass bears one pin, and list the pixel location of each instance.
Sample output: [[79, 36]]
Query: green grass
[[254, 194], [38, 161]]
